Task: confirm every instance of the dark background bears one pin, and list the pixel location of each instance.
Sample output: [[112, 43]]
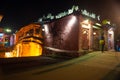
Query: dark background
[[18, 13]]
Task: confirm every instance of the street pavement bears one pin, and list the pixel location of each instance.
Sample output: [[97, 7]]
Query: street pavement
[[92, 66]]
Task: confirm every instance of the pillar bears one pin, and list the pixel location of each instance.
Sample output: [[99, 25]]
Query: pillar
[[91, 38]]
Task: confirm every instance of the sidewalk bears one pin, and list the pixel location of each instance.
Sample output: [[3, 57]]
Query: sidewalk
[[92, 66]]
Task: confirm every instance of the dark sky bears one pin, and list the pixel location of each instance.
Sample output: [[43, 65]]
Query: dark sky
[[19, 13]]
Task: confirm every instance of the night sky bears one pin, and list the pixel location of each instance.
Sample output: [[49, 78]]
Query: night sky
[[20, 13]]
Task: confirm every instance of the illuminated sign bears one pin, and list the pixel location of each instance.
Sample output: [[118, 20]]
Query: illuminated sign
[[92, 15]]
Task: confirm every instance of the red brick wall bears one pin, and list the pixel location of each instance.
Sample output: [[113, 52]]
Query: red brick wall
[[62, 37]]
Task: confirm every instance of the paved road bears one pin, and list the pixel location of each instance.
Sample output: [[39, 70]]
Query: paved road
[[92, 66]]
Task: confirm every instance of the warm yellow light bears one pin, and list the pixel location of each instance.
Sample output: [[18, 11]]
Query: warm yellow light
[[28, 49], [43, 29], [98, 24], [30, 42], [111, 32], [94, 33], [8, 54], [84, 32], [86, 24], [35, 49]]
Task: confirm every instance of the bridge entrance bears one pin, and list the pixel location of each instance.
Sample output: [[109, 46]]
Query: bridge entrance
[[29, 42]]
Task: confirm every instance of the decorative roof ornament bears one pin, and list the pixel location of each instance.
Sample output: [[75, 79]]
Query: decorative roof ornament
[[68, 12], [92, 15], [60, 15]]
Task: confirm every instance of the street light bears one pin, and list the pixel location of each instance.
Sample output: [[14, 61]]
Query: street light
[[8, 30]]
